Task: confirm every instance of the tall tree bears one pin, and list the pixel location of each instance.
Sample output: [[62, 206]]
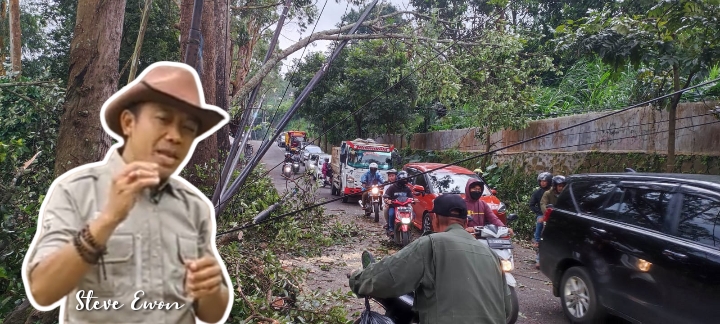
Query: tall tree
[[15, 36], [206, 151], [92, 79], [222, 72]]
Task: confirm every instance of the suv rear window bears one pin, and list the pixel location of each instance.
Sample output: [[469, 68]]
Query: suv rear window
[[592, 195]]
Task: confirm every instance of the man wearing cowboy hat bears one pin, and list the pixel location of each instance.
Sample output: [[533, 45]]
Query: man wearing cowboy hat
[[126, 240]]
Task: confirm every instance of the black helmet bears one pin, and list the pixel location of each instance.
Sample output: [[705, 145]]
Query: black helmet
[[402, 175], [545, 176], [558, 179]]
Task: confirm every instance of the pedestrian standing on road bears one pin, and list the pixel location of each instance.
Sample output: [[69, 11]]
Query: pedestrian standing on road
[[544, 180], [456, 279], [128, 229]]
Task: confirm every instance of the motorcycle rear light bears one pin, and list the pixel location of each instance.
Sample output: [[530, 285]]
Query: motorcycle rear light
[[546, 216], [405, 220]]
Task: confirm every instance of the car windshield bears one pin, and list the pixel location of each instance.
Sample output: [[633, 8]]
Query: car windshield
[[313, 149], [448, 182], [362, 159]]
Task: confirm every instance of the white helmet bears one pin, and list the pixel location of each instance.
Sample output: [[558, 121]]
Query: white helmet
[[373, 165]]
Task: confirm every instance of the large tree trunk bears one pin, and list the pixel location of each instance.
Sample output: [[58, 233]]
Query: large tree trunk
[[92, 79], [223, 74], [206, 152], [3, 23], [15, 36]]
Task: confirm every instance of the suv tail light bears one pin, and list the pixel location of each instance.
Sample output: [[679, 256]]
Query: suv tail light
[[546, 216]]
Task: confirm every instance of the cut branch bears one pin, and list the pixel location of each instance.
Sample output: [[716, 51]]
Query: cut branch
[[24, 84]]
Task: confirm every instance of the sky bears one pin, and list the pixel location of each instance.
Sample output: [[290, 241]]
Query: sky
[[331, 16]]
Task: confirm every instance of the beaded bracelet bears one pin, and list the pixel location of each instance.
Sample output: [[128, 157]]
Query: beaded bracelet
[[88, 255]]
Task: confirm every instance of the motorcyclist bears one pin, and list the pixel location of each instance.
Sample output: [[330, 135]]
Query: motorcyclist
[[480, 212], [288, 158], [327, 171], [456, 278], [392, 177], [399, 189], [370, 178], [296, 157], [550, 196], [544, 180]]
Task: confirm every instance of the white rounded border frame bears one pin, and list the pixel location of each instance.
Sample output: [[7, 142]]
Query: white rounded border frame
[[174, 175]]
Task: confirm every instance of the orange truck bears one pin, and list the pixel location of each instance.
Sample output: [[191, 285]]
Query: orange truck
[[294, 140]]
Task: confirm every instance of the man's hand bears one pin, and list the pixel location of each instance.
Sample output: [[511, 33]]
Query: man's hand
[[126, 186], [203, 277], [511, 231], [470, 230], [387, 201]]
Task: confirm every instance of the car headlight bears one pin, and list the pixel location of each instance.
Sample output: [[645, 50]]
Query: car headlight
[[507, 266], [502, 208], [405, 220], [375, 191]]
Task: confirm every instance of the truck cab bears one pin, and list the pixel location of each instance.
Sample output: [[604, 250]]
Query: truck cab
[[352, 159]]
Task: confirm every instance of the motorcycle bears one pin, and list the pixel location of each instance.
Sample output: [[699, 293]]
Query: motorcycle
[[403, 219], [400, 309], [375, 203], [296, 167], [497, 238], [287, 170]]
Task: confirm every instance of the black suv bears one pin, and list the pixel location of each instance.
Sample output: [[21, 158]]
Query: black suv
[[642, 246]]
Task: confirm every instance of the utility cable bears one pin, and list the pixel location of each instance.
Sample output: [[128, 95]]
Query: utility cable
[[482, 154]]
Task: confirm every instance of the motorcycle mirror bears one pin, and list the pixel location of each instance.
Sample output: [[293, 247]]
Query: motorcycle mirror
[[417, 188], [512, 218], [367, 259]]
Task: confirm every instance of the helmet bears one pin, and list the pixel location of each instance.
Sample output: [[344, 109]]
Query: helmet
[[373, 165], [545, 176], [392, 171], [558, 179], [402, 175]]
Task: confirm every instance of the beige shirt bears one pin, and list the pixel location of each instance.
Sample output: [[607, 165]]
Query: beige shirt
[[144, 253]]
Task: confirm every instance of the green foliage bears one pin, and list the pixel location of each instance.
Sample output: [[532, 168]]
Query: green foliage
[[256, 262], [360, 74], [587, 86], [28, 124]]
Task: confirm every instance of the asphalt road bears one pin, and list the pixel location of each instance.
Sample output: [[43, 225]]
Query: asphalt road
[[537, 304]]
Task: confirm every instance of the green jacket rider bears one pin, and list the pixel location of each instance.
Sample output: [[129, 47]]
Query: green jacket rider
[[456, 279]]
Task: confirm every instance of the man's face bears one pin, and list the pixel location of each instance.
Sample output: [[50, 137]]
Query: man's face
[[158, 133], [476, 187], [543, 183], [560, 187], [372, 170], [392, 177]]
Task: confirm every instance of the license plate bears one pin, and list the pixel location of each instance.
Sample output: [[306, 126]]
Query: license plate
[[498, 241], [404, 209]]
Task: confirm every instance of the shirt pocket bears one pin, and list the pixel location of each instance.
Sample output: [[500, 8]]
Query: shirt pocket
[[186, 249], [119, 268]]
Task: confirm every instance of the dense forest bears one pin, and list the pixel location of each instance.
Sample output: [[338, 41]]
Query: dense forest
[[441, 64]]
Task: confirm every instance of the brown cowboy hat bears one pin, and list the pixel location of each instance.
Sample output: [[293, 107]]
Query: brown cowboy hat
[[170, 83]]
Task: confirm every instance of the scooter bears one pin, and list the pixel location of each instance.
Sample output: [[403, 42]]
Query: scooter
[[497, 238], [375, 204], [403, 219], [296, 167], [399, 309], [287, 170]]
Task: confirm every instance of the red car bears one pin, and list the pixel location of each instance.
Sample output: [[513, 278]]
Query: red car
[[451, 179]]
